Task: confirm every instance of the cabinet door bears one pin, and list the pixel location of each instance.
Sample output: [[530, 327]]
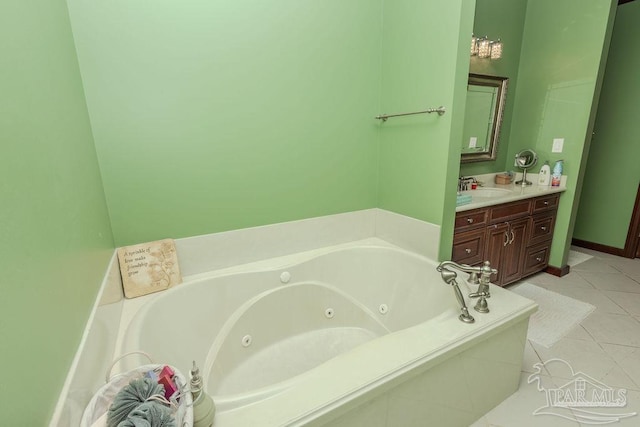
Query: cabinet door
[[497, 240], [512, 262]]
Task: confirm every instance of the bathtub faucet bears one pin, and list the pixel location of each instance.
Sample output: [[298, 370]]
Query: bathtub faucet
[[482, 293]]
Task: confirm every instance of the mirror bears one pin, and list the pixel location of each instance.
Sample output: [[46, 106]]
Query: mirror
[[483, 117], [525, 160]]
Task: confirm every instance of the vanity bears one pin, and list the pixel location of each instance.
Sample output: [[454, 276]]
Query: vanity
[[508, 225]]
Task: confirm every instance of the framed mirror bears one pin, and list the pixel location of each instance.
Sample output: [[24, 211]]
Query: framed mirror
[[483, 117]]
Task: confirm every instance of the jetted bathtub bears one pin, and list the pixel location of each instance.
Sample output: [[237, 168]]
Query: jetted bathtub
[[361, 332]]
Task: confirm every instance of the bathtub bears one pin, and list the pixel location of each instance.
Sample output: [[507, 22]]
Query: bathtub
[[364, 332]]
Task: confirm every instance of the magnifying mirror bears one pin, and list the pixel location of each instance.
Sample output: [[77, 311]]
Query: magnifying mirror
[[524, 160]]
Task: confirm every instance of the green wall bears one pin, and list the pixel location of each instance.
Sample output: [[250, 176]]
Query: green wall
[[502, 19], [418, 167], [612, 174], [211, 116], [55, 234], [560, 71], [226, 115]]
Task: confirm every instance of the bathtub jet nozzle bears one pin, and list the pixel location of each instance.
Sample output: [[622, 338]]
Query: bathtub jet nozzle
[[482, 293]]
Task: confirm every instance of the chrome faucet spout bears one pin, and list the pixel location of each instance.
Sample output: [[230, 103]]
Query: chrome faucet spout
[[482, 293], [464, 181], [462, 267]]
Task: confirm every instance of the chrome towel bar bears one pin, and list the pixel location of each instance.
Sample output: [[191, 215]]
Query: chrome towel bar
[[440, 110]]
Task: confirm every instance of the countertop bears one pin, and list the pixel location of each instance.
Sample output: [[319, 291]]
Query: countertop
[[507, 193]]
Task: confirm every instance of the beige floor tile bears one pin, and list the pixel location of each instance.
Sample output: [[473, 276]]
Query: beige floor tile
[[595, 264], [634, 276], [630, 302], [619, 378], [613, 328], [626, 416], [611, 281], [584, 356], [626, 265], [579, 333], [628, 358]]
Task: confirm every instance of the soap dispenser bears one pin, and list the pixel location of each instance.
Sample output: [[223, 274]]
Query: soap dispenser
[[203, 407], [544, 176]]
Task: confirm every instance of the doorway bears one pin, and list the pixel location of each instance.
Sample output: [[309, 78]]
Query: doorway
[[632, 245]]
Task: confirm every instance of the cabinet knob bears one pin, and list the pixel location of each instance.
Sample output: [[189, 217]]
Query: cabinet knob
[[467, 250], [538, 259], [470, 220], [543, 228], [546, 203]]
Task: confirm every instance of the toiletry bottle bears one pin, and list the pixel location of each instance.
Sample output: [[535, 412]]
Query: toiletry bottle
[[557, 173], [203, 407], [544, 176]]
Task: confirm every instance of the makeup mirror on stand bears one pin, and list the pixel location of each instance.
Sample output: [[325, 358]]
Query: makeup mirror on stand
[[525, 159]]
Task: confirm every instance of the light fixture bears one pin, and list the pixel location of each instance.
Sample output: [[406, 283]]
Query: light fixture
[[496, 49], [482, 47]]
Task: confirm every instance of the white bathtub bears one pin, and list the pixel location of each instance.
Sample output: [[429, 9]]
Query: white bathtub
[[362, 332]]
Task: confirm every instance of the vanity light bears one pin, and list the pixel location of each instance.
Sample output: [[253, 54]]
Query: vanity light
[[474, 45], [496, 49], [484, 48]]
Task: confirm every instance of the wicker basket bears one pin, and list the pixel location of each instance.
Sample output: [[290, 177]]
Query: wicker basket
[[503, 178], [102, 399]]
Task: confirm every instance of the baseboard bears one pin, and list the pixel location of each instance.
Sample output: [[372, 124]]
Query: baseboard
[[558, 271], [598, 247]]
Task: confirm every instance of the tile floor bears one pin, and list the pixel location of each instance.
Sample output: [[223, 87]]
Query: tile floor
[[605, 346]]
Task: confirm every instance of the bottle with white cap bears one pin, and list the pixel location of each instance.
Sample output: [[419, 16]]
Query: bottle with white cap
[[544, 176]]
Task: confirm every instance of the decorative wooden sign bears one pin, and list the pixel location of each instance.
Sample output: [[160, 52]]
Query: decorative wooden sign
[[149, 267]]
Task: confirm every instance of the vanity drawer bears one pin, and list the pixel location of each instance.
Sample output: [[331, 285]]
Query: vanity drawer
[[536, 258], [544, 203], [468, 247], [471, 219], [542, 228], [509, 211]]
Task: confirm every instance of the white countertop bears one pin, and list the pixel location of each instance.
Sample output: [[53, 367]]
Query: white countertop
[[508, 193]]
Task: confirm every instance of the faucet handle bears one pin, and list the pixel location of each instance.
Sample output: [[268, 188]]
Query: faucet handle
[[487, 270]]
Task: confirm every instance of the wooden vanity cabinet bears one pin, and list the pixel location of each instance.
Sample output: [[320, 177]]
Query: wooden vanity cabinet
[[505, 249], [514, 237]]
